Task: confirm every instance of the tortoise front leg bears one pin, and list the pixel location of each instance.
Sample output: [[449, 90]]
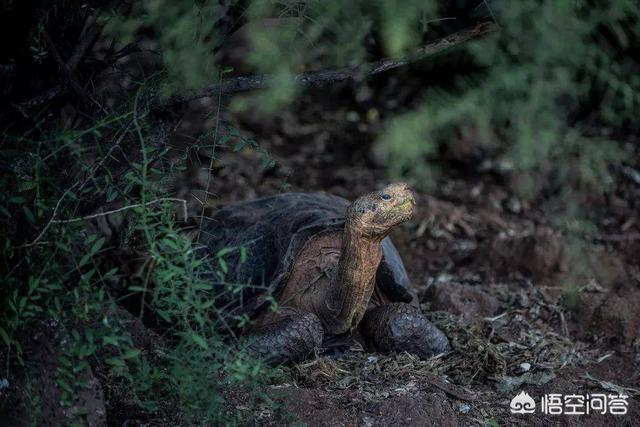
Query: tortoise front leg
[[397, 327], [295, 336]]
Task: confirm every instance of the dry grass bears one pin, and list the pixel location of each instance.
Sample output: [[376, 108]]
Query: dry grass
[[522, 345]]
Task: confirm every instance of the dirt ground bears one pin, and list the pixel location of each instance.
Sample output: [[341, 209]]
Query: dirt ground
[[525, 307]]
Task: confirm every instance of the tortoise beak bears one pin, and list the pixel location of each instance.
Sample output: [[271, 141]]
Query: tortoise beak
[[407, 205], [409, 198]]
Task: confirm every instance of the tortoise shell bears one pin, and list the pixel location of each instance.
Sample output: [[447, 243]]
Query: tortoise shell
[[262, 238]]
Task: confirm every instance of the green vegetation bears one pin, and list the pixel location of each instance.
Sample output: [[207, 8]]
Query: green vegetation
[[557, 84], [68, 275]]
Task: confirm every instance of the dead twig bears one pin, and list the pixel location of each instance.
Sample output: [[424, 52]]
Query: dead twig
[[618, 237], [81, 184], [53, 215], [317, 78], [213, 156], [125, 208]]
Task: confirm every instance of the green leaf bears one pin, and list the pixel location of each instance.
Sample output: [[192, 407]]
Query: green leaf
[[110, 273], [26, 185], [97, 245], [131, 353], [17, 200], [170, 243], [5, 336], [202, 286], [109, 340], [28, 214], [240, 145], [223, 252], [165, 315], [199, 340], [65, 385], [223, 265], [84, 260], [114, 361]]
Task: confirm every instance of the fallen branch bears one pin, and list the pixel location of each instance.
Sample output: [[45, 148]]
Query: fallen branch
[[318, 78]]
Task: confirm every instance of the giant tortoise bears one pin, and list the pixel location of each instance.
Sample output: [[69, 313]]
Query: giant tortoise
[[331, 268]]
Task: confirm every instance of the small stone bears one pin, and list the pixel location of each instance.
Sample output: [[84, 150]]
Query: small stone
[[367, 421], [463, 408], [525, 366], [513, 205], [539, 254]]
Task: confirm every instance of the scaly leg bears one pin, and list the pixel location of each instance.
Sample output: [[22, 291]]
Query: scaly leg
[[398, 327], [294, 337]]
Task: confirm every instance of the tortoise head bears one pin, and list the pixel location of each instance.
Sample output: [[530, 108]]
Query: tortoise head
[[377, 213]]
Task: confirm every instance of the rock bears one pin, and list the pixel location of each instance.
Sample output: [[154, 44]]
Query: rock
[[539, 254], [470, 302], [612, 316], [607, 269]]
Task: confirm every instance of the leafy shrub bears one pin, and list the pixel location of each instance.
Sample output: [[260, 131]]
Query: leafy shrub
[[58, 266]]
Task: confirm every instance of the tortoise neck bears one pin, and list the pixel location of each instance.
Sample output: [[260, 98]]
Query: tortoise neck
[[355, 278]]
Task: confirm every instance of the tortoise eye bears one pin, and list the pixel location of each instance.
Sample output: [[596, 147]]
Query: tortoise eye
[[361, 210], [386, 197]]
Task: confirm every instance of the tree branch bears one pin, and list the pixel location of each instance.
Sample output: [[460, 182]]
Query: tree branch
[[68, 73], [68, 69], [322, 77]]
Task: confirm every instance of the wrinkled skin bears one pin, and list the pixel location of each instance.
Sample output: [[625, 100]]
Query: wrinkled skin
[[402, 327], [331, 290]]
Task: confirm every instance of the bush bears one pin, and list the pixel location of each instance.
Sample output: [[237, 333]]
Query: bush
[[60, 266]]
